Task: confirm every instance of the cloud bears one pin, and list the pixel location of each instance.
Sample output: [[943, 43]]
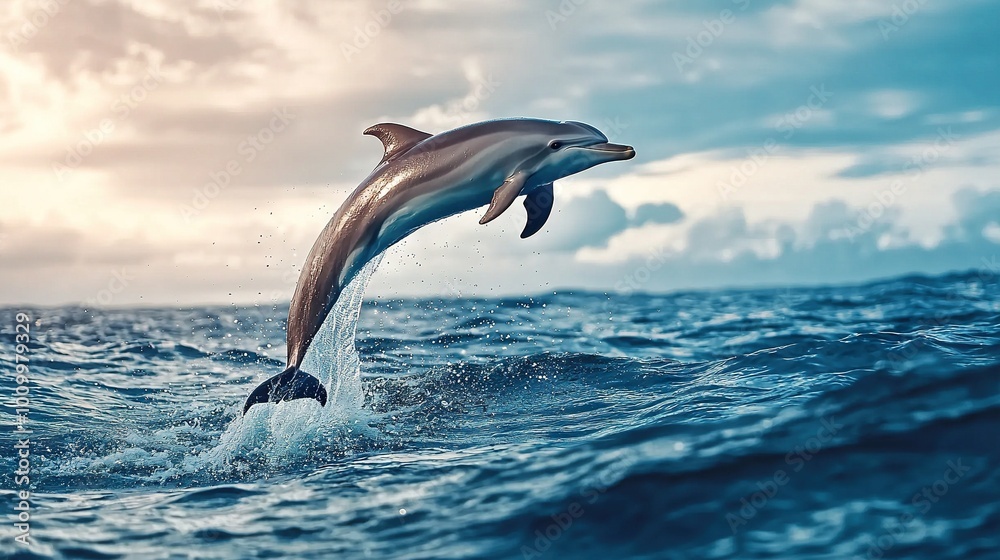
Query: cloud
[[87, 37], [584, 221], [828, 245], [870, 166], [659, 213], [727, 235], [227, 66], [591, 220], [979, 214]]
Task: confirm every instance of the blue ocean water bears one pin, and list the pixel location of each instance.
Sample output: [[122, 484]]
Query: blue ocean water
[[840, 422]]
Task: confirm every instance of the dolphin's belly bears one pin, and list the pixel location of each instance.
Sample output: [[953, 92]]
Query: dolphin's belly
[[409, 193], [434, 205]]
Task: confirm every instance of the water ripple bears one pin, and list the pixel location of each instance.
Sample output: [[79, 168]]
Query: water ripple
[[798, 423]]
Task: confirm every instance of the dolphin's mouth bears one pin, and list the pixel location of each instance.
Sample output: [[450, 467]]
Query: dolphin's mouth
[[621, 151]]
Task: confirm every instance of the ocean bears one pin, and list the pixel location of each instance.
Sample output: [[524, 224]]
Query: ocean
[[835, 422]]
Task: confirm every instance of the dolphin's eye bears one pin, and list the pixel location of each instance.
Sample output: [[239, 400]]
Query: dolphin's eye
[[555, 144]]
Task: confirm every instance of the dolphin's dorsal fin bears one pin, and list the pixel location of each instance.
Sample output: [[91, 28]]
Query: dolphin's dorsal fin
[[396, 138]]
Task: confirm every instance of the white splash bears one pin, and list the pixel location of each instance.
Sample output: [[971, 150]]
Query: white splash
[[278, 433]]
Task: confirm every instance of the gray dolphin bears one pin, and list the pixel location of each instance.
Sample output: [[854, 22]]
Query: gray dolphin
[[421, 179]]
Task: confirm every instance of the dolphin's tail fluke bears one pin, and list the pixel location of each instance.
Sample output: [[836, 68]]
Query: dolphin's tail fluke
[[288, 385]]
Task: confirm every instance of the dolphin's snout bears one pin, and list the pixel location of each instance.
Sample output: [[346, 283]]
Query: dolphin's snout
[[620, 150]]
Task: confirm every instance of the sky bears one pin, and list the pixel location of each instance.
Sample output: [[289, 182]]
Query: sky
[[178, 153]]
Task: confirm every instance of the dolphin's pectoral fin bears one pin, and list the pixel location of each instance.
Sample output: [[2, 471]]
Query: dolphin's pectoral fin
[[288, 385], [504, 196], [538, 203], [396, 138]]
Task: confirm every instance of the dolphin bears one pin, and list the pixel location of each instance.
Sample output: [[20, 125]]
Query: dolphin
[[421, 179]]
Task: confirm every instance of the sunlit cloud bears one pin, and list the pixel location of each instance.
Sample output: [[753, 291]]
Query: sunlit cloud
[[778, 142]]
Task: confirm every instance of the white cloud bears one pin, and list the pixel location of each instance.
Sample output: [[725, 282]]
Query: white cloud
[[893, 104], [462, 110], [992, 232], [227, 65]]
